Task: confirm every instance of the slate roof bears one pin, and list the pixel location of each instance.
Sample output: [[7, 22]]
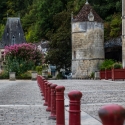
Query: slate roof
[[115, 42], [13, 33], [83, 14]]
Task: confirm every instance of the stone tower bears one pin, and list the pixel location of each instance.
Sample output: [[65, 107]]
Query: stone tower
[[123, 33], [87, 41], [13, 33]]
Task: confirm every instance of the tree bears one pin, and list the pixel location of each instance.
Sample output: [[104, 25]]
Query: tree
[[106, 8], [1, 30], [60, 45], [22, 57]]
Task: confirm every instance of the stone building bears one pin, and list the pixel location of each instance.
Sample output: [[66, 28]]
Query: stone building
[[13, 34], [87, 41]]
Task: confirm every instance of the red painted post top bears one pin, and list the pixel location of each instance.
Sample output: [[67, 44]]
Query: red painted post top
[[60, 89], [75, 95], [112, 114], [74, 107]]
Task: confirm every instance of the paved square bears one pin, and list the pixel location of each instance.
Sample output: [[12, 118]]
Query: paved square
[[96, 93], [21, 102]]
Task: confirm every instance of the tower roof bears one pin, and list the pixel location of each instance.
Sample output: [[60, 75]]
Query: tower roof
[[13, 32], [84, 12]]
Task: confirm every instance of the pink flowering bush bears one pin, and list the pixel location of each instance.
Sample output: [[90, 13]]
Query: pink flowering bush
[[22, 57]]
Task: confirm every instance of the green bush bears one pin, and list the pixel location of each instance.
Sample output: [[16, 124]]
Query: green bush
[[109, 67], [22, 58], [4, 75], [117, 66], [26, 75], [92, 75], [39, 69], [59, 76], [49, 76], [106, 64]]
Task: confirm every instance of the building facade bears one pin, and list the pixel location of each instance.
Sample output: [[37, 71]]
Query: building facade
[[87, 42], [13, 33]]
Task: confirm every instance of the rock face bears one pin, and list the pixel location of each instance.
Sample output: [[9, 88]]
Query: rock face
[[87, 42], [13, 33]]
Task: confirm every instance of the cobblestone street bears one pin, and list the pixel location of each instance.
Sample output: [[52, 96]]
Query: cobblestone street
[[96, 93], [22, 104]]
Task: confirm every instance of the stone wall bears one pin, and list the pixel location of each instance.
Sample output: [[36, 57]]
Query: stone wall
[[87, 48], [83, 68]]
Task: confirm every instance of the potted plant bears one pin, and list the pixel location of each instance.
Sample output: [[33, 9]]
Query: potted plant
[[108, 72], [118, 72], [105, 69]]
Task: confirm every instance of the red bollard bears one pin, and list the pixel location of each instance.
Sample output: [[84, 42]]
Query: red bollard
[[53, 102], [112, 114], [39, 82], [60, 112], [44, 88], [46, 93], [74, 107], [49, 98], [42, 85]]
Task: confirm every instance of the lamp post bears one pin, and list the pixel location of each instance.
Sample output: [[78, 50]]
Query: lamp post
[[123, 33]]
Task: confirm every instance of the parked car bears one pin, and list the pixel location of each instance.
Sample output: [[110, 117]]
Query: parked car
[[67, 75]]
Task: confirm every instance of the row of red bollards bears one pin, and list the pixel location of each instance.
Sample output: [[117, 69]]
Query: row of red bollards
[[54, 100]]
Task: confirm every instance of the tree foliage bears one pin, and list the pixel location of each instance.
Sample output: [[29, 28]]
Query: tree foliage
[[45, 19], [22, 57], [60, 45]]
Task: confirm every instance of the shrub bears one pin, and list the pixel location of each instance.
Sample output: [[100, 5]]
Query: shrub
[[106, 64], [21, 58], [39, 69], [109, 67], [4, 75], [26, 75], [117, 66], [92, 75], [49, 76], [59, 76]]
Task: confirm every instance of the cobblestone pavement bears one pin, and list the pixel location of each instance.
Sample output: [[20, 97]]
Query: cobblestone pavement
[[96, 93], [21, 104]]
